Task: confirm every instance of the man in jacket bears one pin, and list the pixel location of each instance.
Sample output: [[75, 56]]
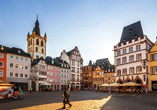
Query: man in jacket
[[65, 99]]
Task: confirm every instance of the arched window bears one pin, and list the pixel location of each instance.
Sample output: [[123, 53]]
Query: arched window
[[42, 43], [37, 42], [139, 69], [42, 50], [119, 72], [131, 70], [124, 71], [36, 49]]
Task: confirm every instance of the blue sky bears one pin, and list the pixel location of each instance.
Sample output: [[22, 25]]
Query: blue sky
[[94, 26]]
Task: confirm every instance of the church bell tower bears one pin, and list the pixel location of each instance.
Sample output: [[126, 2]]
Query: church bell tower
[[36, 44]]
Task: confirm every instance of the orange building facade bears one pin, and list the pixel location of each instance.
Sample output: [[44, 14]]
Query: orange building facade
[[3, 59]]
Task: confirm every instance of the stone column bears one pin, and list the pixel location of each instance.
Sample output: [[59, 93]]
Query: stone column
[[37, 85]]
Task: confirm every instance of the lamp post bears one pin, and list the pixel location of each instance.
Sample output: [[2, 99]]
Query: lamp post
[[68, 83], [144, 63]]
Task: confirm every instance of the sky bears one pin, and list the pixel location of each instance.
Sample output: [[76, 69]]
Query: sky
[[94, 26]]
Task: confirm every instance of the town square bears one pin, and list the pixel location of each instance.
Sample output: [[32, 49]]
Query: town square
[[78, 55]]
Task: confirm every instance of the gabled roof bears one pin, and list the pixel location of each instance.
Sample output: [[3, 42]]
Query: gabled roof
[[60, 62], [130, 32], [35, 61], [49, 60]]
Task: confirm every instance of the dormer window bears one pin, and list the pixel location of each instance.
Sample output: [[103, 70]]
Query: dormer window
[[130, 30], [19, 51], [124, 39], [135, 36], [52, 62]]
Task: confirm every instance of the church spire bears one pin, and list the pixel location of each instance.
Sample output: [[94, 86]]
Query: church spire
[[37, 27]]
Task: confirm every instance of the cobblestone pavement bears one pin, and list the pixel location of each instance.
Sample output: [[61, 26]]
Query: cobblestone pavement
[[83, 100]]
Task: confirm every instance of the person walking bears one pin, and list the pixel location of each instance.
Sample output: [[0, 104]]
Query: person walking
[[66, 96], [30, 90]]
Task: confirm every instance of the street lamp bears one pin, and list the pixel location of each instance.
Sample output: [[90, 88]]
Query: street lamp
[[68, 83]]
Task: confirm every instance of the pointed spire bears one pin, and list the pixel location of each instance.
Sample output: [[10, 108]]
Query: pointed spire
[[37, 27], [28, 34], [45, 34]]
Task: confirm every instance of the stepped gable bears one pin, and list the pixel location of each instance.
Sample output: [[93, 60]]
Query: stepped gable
[[130, 32]]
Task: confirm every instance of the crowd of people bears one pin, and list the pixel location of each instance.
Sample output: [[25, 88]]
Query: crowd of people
[[12, 94]]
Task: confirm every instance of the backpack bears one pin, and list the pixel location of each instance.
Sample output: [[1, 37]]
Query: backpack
[[68, 94]]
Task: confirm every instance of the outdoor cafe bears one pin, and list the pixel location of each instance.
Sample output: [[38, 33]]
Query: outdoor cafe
[[128, 87]]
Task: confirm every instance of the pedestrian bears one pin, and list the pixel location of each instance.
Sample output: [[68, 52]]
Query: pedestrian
[[69, 90], [12, 91], [66, 96], [146, 90], [30, 90]]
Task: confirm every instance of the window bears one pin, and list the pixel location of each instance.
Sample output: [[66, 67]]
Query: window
[[58, 69], [154, 70], [17, 57], [102, 73], [41, 43], [109, 76], [131, 58], [54, 74], [37, 56], [77, 70], [105, 76], [16, 74], [22, 58], [124, 71], [19, 51], [139, 57], [26, 59], [11, 74], [11, 64], [1, 55], [108, 70], [131, 70], [131, 49], [41, 66], [1, 73], [73, 63], [153, 57], [21, 66], [64, 76], [36, 49], [1, 64], [16, 66], [58, 75], [118, 61], [124, 51], [118, 52], [54, 68], [21, 75], [58, 80], [112, 75], [138, 47], [118, 72], [77, 64], [26, 67], [139, 69], [37, 41], [48, 73], [124, 60], [54, 80], [25, 75], [11, 56], [42, 50]]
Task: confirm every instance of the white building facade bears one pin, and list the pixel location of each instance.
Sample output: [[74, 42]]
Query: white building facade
[[131, 56]]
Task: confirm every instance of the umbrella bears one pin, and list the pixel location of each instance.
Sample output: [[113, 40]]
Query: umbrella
[[130, 84], [105, 84], [45, 83], [115, 84]]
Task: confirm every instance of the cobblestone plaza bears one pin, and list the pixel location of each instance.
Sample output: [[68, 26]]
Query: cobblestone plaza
[[83, 100]]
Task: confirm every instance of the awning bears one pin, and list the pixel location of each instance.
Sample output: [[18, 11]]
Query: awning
[[130, 84], [45, 83], [104, 85], [115, 84]]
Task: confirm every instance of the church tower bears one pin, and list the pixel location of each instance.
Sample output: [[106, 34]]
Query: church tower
[[36, 44]]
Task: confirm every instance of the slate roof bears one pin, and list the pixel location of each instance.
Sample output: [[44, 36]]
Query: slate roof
[[35, 61], [5, 49], [49, 59], [60, 62], [132, 31], [14, 50], [102, 63], [70, 52], [37, 28]]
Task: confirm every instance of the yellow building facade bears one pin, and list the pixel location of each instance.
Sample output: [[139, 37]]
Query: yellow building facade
[[152, 57]]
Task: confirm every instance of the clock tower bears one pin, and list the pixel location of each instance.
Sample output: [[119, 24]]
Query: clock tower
[[36, 44]]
